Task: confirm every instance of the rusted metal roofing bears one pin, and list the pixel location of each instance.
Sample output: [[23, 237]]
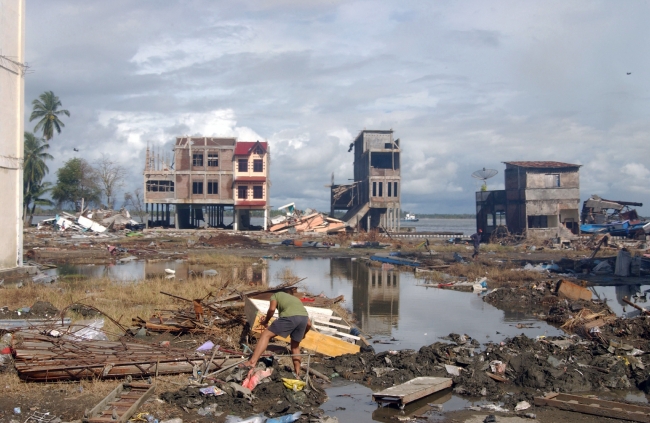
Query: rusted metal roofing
[[250, 179], [542, 165], [243, 148]]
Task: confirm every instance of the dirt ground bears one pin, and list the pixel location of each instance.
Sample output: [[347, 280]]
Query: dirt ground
[[531, 365]]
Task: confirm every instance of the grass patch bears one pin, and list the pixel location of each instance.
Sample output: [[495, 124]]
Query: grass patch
[[122, 301]]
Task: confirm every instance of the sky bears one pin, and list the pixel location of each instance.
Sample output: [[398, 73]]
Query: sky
[[464, 85]]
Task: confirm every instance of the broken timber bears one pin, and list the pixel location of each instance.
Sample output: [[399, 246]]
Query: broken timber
[[40, 358], [615, 410], [120, 404], [412, 390]]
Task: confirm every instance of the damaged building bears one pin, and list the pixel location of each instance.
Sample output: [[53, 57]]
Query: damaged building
[[204, 179], [541, 199], [373, 199]]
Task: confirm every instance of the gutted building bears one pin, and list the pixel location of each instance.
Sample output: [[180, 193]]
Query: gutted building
[[373, 199], [198, 183], [540, 199]]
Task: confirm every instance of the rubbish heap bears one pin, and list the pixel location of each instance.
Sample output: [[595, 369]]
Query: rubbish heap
[[96, 221], [310, 222]]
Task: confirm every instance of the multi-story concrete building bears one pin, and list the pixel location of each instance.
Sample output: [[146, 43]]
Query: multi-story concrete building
[[373, 200], [200, 184], [251, 187], [12, 87], [540, 199]]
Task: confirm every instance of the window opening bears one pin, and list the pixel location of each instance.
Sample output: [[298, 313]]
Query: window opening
[[213, 159], [258, 165], [213, 187], [258, 192], [242, 165], [242, 192], [197, 159], [160, 186], [197, 187]]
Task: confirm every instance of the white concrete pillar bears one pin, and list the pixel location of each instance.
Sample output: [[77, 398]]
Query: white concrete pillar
[[266, 218]]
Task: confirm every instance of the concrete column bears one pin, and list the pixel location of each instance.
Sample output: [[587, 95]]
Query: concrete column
[[176, 217], [266, 216]]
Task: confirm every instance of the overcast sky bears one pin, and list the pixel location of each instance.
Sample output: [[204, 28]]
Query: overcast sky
[[464, 85]]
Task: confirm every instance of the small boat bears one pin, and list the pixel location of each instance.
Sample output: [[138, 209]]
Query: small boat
[[170, 271], [594, 228], [410, 217], [395, 260]]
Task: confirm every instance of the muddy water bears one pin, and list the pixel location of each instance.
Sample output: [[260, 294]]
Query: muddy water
[[389, 306]]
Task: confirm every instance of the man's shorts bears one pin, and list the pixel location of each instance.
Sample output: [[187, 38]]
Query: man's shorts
[[294, 325]]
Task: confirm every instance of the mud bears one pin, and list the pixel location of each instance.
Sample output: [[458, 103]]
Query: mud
[[271, 398], [39, 310], [532, 367]]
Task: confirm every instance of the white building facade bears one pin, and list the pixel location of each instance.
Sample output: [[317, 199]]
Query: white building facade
[[12, 83]]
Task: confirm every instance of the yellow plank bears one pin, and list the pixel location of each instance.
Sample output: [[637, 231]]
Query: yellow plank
[[313, 341]]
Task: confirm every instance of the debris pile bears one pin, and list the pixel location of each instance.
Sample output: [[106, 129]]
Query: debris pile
[[312, 222], [224, 392], [95, 221], [546, 364]]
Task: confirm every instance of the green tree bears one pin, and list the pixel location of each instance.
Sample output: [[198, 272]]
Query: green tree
[[34, 167], [76, 179], [46, 108], [37, 198]]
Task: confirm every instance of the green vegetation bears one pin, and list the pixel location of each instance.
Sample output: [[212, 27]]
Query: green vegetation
[[46, 110], [76, 180], [34, 170]]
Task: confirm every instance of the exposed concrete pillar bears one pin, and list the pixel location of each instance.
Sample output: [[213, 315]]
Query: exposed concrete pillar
[[266, 217], [12, 88]]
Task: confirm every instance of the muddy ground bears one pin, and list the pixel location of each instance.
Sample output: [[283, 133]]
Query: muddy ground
[[527, 368]]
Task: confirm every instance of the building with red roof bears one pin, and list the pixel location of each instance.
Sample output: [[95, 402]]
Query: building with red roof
[[205, 178]]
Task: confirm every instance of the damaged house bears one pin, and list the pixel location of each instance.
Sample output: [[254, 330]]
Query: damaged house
[[205, 177], [541, 199], [373, 199]]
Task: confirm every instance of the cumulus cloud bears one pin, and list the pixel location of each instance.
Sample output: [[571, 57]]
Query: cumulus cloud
[[464, 86]]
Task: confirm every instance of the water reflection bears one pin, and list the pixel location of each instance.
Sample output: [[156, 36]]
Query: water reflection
[[387, 304], [137, 270]]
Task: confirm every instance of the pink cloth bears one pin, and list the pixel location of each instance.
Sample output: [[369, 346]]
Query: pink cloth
[[254, 377]]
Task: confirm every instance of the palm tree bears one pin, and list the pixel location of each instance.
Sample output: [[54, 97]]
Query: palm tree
[[46, 109], [34, 167], [36, 197]]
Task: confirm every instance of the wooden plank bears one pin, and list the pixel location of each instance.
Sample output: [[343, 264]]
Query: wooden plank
[[596, 407], [131, 411], [412, 390], [313, 341], [103, 403], [336, 333]]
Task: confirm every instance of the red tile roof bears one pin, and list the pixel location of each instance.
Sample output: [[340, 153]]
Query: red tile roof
[[250, 179], [542, 165], [243, 148]]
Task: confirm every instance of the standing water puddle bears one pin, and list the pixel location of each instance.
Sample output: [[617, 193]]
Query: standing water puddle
[[389, 305]]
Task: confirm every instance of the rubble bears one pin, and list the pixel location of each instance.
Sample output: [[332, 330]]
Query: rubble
[[312, 222]]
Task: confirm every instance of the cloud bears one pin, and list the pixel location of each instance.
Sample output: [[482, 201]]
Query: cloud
[[464, 86]]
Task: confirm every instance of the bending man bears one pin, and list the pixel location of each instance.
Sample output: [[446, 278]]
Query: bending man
[[293, 321]]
